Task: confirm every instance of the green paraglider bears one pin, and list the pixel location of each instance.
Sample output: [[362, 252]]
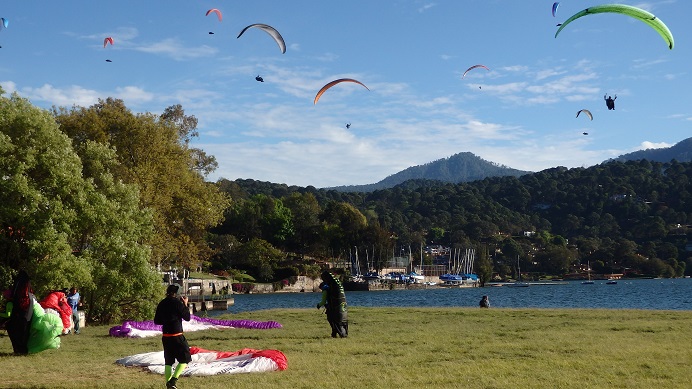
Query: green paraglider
[[628, 10], [45, 330]]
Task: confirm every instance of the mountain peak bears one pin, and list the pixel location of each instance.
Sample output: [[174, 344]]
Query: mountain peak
[[460, 167]]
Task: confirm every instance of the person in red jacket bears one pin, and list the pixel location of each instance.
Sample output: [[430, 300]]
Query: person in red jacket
[[57, 300], [170, 314]]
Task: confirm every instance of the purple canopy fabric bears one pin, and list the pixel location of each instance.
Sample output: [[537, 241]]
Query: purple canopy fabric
[[139, 329]]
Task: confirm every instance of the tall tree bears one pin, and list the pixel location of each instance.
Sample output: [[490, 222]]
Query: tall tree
[[68, 221], [154, 153]]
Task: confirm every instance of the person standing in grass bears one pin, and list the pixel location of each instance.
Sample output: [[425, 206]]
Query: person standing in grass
[[74, 303], [334, 300], [170, 314]]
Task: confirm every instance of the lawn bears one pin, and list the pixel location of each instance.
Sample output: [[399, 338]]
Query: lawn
[[401, 347]]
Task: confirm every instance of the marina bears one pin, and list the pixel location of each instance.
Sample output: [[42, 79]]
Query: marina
[[656, 294]]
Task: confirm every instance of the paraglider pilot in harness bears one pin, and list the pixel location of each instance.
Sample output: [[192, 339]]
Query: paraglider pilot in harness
[[334, 300], [610, 102]]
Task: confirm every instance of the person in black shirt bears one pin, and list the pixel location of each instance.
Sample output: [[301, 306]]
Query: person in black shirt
[[170, 314]]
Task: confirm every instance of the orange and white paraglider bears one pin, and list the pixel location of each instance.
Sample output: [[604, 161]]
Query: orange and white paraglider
[[331, 84]]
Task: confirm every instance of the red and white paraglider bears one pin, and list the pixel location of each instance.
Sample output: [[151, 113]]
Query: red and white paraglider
[[215, 11], [209, 362]]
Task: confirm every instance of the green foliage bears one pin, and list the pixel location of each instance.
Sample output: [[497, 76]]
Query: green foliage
[[258, 257], [153, 153], [625, 215], [67, 221]]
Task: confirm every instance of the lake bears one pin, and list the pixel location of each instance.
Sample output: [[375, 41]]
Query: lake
[[663, 294]]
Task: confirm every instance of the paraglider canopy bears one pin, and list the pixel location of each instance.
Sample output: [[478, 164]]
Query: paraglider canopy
[[216, 11], [586, 112], [107, 41], [269, 30], [555, 5], [4, 23], [332, 83], [474, 67], [637, 13]]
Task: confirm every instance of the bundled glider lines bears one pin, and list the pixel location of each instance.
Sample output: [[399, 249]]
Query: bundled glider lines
[[637, 13]]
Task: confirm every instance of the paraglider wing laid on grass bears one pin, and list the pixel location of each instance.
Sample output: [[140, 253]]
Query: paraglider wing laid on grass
[[215, 11], [145, 329], [269, 30], [331, 84], [586, 112], [473, 67], [208, 362], [628, 10]]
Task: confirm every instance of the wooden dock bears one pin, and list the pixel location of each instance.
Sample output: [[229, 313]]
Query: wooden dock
[[210, 302]]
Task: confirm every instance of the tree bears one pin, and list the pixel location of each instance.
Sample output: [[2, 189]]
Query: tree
[[306, 212], [484, 268], [68, 221], [259, 258], [154, 154]]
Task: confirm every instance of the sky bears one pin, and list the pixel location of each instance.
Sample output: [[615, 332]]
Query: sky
[[411, 55]]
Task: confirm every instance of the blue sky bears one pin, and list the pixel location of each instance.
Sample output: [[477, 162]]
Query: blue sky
[[411, 54]]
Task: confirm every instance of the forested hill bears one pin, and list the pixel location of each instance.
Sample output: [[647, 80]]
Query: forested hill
[[614, 215], [461, 167], [681, 152]]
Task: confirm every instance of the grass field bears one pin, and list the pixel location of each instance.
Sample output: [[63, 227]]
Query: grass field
[[401, 348]]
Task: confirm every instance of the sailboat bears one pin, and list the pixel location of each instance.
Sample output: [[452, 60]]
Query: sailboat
[[589, 281], [519, 283]]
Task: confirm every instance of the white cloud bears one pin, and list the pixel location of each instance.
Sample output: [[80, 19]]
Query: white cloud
[[174, 49], [73, 95], [426, 7], [652, 145]]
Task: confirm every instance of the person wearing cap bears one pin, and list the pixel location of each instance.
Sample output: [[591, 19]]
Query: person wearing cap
[[170, 314]]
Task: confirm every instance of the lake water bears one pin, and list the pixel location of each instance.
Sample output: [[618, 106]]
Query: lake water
[[662, 294]]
